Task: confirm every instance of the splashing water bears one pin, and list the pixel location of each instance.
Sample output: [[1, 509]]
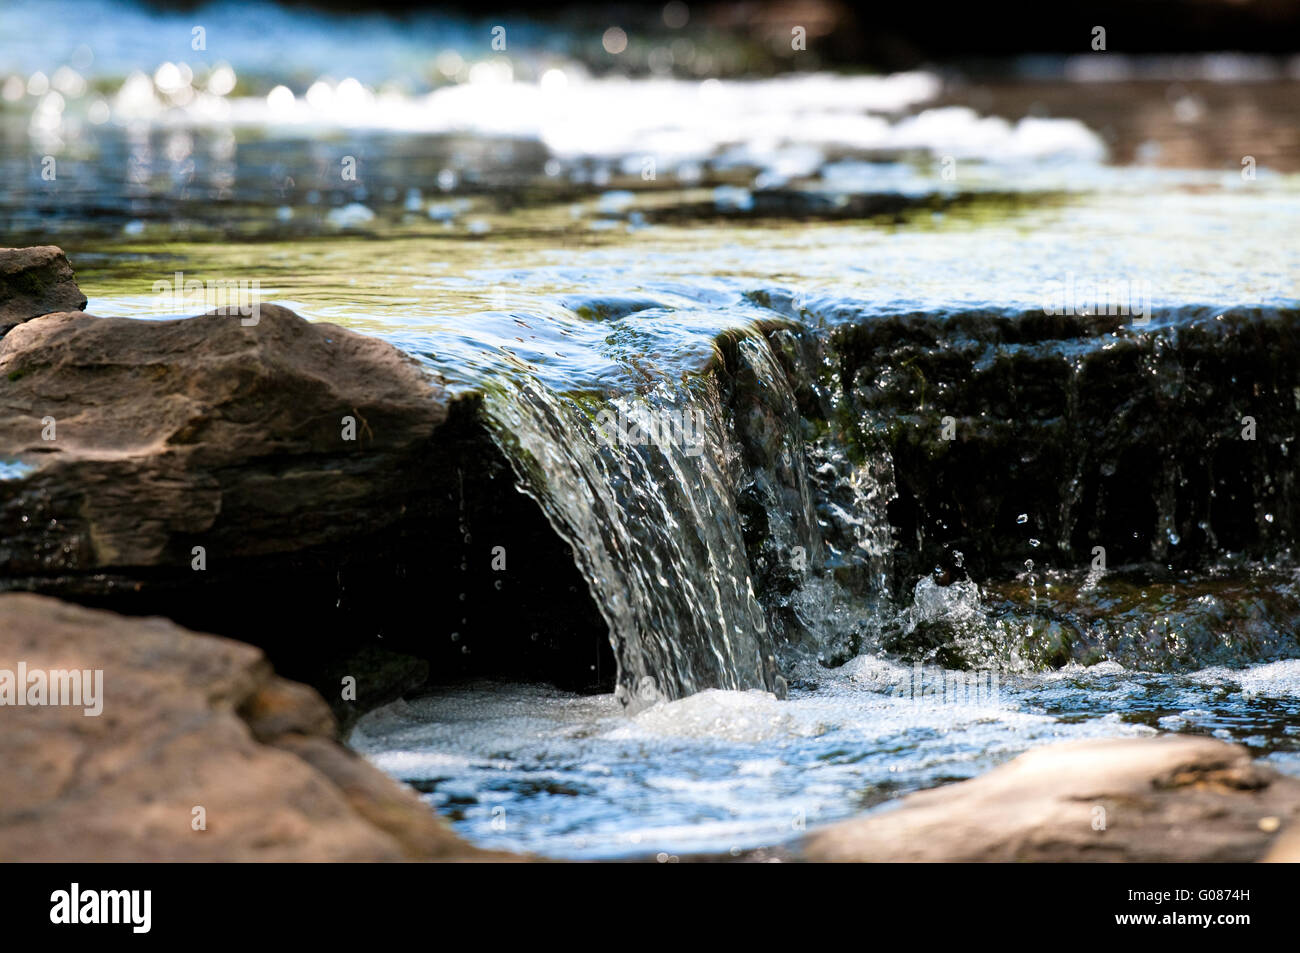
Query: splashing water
[[671, 499]]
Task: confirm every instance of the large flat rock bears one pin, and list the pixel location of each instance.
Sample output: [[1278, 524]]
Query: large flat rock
[[188, 721], [1174, 798]]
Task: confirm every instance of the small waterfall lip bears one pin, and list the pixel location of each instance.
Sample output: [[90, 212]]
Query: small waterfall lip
[[593, 346]]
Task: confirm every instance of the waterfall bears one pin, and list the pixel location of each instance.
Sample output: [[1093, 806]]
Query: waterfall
[[693, 516], [776, 504]]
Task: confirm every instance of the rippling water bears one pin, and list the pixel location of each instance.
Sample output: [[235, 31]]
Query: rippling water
[[526, 767]]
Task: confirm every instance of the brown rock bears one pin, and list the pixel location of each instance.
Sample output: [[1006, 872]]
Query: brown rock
[[165, 430], [151, 438], [1173, 798], [35, 281], [187, 721]]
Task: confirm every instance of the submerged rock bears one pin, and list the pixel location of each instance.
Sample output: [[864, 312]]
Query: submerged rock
[[33, 282], [1019, 436], [1066, 438], [199, 752], [1060, 462], [1176, 798]]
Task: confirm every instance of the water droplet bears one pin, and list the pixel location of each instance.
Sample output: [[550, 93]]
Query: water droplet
[[1022, 518], [1035, 543]]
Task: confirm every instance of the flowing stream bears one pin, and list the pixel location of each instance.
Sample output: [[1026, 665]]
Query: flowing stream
[[863, 511]]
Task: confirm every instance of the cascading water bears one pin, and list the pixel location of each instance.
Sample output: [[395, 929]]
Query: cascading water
[[653, 526], [736, 520], [674, 500]]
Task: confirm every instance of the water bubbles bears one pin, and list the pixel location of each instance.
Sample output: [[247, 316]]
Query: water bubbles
[[675, 14], [221, 81], [172, 77], [554, 80], [280, 99], [69, 82], [450, 64], [1022, 519], [1035, 543], [660, 60], [352, 215], [614, 41], [351, 95], [320, 95]]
